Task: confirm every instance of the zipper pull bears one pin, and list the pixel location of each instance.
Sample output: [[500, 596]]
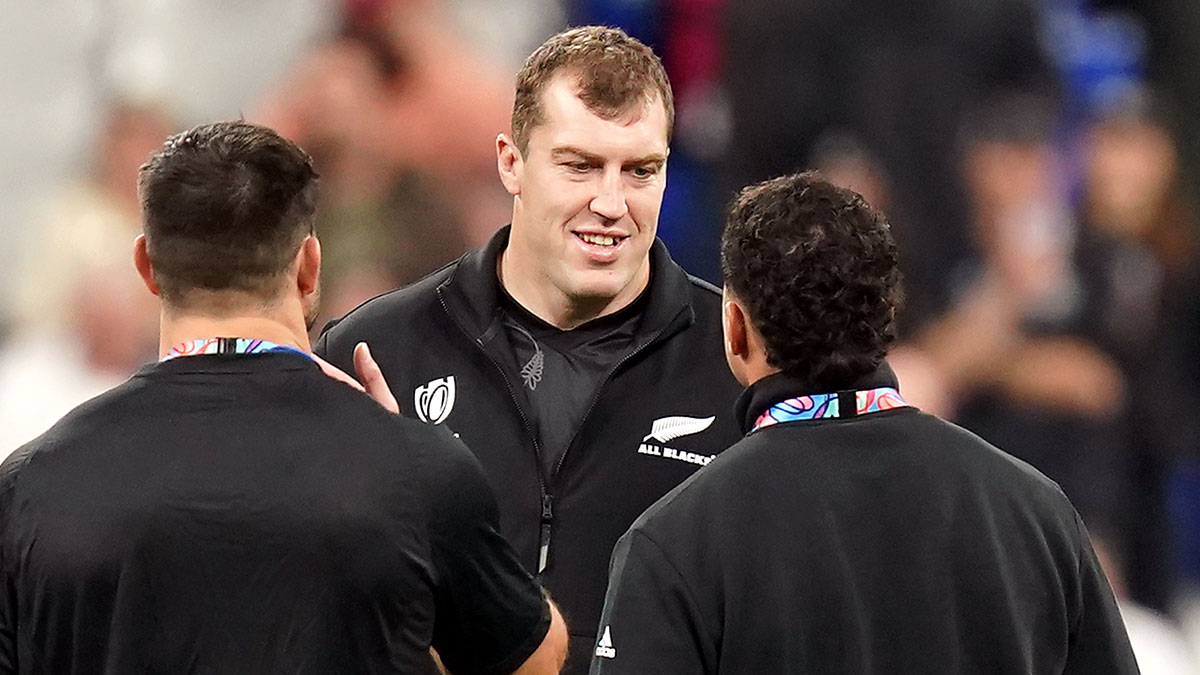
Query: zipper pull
[[547, 519]]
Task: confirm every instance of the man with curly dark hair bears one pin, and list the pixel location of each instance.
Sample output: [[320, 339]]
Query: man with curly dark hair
[[848, 532]]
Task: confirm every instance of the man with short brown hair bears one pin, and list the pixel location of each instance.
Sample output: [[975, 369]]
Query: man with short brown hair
[[231, 508], [571, 354]]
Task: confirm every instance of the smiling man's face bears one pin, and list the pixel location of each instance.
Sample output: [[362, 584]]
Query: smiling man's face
[[587, 193]]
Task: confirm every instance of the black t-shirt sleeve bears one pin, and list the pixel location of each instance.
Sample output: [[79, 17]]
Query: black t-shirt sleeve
[[652, 622], [8, 599], [1099, 642], [491, 614]]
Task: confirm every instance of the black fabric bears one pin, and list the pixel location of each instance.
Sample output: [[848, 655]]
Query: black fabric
[[449, 324], [891, 542], [248, 514], [560, 371]]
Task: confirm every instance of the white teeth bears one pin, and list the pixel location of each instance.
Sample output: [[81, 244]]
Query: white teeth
[[598, 239]]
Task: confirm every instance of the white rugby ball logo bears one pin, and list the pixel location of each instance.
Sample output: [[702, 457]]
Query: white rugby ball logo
[[435, 400]]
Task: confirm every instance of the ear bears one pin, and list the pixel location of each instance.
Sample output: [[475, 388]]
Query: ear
[[308, 260], [141, 260], [736, 326], [509, 163]]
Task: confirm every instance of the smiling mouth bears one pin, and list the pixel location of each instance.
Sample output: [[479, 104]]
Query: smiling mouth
[[605, 240]]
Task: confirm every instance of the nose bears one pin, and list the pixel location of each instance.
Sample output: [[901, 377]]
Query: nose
[[609, 202]]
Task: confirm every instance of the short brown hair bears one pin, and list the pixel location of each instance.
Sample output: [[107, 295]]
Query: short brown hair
[[225, 206], [611, 69]]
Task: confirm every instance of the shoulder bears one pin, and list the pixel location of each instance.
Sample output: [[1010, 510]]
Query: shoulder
[[703, 290], [706, 301], [445, 461], [394, 308], [980, 456], [71, 434]]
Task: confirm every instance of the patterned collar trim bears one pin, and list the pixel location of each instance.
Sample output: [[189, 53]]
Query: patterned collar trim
[[830, 406], [227, 345]]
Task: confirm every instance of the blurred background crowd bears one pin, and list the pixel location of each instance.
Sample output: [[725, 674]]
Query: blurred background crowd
[[1039, 160]]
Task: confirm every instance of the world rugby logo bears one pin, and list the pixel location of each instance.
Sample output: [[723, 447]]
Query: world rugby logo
[[435, 400]]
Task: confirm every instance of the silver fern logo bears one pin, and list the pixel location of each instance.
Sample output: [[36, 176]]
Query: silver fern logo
[[531, 372], [669, 428], [435, 400]]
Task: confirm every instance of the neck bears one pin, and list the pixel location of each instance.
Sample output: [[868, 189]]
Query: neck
[[176, 328], [550, 304]]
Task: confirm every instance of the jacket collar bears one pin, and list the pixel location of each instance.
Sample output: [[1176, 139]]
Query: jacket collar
[[471, 294], [777, 387]]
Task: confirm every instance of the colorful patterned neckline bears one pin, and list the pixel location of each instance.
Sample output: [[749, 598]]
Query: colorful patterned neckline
[[828, 406], [227, 345]]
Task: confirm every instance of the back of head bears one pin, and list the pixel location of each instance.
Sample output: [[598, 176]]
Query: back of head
[[612, 70], [816, 269], [225, 208]]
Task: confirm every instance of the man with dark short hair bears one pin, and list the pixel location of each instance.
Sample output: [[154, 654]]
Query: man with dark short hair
[[848, 532], [571, 354], [231, 509]]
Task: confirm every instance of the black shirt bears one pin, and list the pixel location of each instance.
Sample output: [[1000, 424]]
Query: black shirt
[[891, 542], [247, 514], [561, 370]]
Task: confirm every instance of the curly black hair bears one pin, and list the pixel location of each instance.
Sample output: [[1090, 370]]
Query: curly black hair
[[816, 268]]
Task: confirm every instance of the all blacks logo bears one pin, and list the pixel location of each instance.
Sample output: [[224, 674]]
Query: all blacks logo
[[435, 400]]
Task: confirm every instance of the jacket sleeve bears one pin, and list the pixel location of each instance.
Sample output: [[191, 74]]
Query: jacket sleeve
[[651, 622], [1098, 642], [491, 614]]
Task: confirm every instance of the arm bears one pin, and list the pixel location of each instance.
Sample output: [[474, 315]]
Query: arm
[[1098, 642], [549, 657], [492, 617], [651, 622]]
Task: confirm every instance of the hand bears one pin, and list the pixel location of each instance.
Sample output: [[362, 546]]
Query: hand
[[368, 371]]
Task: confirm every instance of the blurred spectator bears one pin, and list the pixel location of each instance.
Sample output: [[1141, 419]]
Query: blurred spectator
[[400, 116], [84, 324], [1172, 30], [897, 75], [1017, 369], [92, 220], [1138, 250], [110, 329]]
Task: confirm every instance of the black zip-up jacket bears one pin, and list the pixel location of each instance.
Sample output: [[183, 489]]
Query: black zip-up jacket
[[627, 452]]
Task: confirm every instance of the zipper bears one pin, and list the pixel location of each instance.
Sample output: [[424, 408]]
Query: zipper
[[547, 511], [544, 535], [547, 515]]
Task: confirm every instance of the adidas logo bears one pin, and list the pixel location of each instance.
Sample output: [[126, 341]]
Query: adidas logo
[[604, 648]]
